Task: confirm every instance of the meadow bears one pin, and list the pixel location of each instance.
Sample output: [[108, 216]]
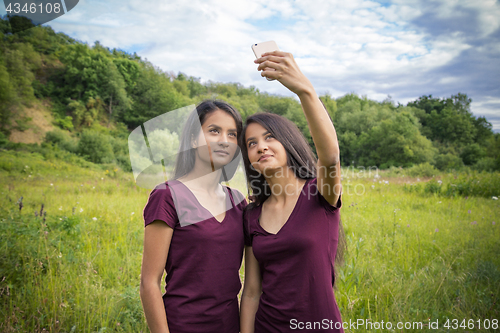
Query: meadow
[[420, 249]]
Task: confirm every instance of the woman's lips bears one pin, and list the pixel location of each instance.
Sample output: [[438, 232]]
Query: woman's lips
[[264, 157]]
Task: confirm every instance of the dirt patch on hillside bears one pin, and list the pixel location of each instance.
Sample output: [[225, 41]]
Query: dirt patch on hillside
[[40, 123]]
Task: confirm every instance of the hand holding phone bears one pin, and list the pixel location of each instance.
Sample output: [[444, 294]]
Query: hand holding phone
[[261, 48]]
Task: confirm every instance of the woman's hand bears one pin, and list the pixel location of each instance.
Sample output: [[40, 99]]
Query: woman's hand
[[285, 71]]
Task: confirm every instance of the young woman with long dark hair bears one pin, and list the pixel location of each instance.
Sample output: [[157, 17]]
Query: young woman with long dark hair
[[292, 227], [194, 231]]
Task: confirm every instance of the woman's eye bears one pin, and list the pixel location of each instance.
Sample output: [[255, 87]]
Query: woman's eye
[[269, 136], [232, 134], [250, 144], [213, 130]]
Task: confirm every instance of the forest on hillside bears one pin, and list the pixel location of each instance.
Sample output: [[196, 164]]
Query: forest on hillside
[[97, 95]]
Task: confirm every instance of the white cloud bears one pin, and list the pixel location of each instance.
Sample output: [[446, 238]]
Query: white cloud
[[405, 49]]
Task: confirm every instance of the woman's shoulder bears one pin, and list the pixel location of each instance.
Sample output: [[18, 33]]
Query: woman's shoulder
[[160, 206], [312, 191], [238, 197], [162, 190]]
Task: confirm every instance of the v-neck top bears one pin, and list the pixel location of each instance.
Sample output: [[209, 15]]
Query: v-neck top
[[297, 265], [204, 258]]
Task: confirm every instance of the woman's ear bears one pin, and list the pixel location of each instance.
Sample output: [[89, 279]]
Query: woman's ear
[[193, 142]]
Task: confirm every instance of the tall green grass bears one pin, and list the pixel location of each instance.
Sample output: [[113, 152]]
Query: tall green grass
[[412, 255]]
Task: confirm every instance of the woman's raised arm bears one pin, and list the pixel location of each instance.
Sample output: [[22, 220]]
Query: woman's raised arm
[[322, 130]]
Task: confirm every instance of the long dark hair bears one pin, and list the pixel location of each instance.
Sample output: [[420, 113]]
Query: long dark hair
[[184, 163], [300, 158]]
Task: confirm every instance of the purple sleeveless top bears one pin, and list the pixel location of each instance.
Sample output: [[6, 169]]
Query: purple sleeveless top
[[202, 281], [296, 266]]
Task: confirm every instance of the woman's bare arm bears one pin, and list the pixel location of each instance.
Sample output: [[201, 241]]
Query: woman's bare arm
[[157, 237], [252, 289]]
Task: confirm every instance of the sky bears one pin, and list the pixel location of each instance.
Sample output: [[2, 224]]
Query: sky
[[402, 48]]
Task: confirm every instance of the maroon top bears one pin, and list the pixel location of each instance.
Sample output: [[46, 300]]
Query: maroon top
[[296, 265], [203, 281]]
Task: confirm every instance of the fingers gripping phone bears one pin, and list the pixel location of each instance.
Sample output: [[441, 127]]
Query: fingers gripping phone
[[260, 48]]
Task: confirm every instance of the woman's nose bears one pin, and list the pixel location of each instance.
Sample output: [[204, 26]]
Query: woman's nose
[[261, 146], [224, 140]]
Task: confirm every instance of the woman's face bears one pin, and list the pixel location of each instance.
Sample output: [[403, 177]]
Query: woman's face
[[265, 153], [217, 141]]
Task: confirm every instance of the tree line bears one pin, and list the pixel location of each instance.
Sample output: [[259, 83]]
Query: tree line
[[97, 95]]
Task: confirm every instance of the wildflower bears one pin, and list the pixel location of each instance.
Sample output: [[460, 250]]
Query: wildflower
[[26, 166], [29, 176], [493, 222], [132, 213], [440, 182], [93, 187], [51, 184], [408, 225], [439, 201], [373, 186], [94, 218], [474, 222], [60, 208], [436, 230], [102, 178], [81, 210], [494, 198], [418, 179]]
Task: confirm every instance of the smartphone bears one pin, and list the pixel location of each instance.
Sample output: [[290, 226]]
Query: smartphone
[[260, 48]]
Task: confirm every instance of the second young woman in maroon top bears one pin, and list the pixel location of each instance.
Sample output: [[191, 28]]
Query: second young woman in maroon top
[[194, 232], [293, 224]]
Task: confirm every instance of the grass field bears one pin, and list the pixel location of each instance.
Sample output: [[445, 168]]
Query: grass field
[[419, 250]]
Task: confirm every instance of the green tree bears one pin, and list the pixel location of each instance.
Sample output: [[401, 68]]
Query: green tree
[[395, 142], [153, 95], [7, 99]]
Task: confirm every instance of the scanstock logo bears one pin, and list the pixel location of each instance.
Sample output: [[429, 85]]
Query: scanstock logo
[[27, 14]]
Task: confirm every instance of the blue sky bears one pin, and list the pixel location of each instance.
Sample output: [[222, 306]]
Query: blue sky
[[402, 48]]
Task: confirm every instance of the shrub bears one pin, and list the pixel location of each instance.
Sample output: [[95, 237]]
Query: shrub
[[472, 153], [95, 147], [65, 123], [486, 164], [123, 162], [61, 139], [422, 170], [448, 161], [474, 184], [433, 187]]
